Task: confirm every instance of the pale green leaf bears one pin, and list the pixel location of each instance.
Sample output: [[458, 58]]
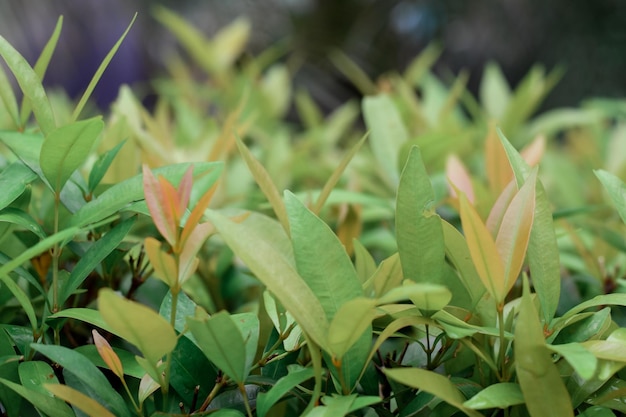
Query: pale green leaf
[[353, 318], [495, 92], [137, 324], [433, 383], [418, 227], [544, 391], [502, 395], [581, 359], [67, 148], [616, 189]]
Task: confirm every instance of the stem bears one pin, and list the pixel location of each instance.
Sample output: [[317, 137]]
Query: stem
[[132, 399], [428, 349], [56, 249], [168, 359], [502, 347], [216, 389], [244, 394]]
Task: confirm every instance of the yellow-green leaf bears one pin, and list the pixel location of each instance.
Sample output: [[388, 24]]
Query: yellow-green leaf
[[89, 406], [483, 250], [514, 233], [163, 263], [138, 324], [349, 323], [542, 386]]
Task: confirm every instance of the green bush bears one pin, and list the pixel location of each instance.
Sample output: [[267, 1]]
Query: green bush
[[425, 267]]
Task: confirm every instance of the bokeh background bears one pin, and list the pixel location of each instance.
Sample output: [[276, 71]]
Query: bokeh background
[[586, 38]]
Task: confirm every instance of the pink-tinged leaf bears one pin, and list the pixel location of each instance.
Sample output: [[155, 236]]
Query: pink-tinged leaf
[[155, 200], [196, 215], [188, 261], [514, 233], [459, 178], [483, 250], [533, 152], [108, 355], [163, 263], [499, 172], [184, 190], [499, 208], [171, 205]]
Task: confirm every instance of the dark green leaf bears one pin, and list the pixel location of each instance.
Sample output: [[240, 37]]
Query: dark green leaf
[[297, 375], [101, 166], [13, 181]]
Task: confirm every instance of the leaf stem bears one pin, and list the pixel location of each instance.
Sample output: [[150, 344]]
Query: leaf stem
[[502, 345]]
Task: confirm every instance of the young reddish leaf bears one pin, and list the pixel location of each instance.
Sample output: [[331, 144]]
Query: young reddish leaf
[[499, 172], [499, 208], [155, 200], [196, 215], [171, 205], [188, 261], [483, 250], [184, 190], [164, 264], [107, 354], [514, 233], [459, 178]]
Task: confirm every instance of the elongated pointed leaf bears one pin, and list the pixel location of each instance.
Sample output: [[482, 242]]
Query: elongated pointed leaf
[[388, 134], [483, 250], [544, 391], [616, 190], [44, 402], [321, 258], [514, 233], [459, 178], [222, 343], [107, 354], [41, 65], [495, 93], [101, 166], [31, 86], [138, 324], [418, 227], [67, 148], [89, 406], [433, 383], [348, 325], [84, 314], [276, 271], [94, 256], [263, 179], [7, 96], [296, 376], [502, 395], [543, 252], [96, 77], [499, 171]]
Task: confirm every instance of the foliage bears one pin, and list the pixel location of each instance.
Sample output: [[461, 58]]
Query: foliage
[[422, 270]]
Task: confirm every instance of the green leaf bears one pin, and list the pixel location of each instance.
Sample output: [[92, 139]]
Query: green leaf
[[42, 65], [66, 148], [418, 227], [427, 297], [282, 321], [543, 252], [223, 344], [129, 191], [597, 411], [137, 324], [99, 72], [101, 166], [544, 391], [31, 86], [276, 271], [94, 381], [190, 368], [495, 92], [49, 405], [353, 318], [433, 383], [7, 96], [86, 404], [321, 258], [388, 134], [582, 360], [34, 374], [21, 218], [616, 189], [364, 262], [296, 376], [93, 257], [502, 395], [13, 182], [84, 314], [264, 181]]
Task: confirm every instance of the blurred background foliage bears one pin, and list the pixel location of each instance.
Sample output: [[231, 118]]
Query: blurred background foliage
[[588, 39]]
